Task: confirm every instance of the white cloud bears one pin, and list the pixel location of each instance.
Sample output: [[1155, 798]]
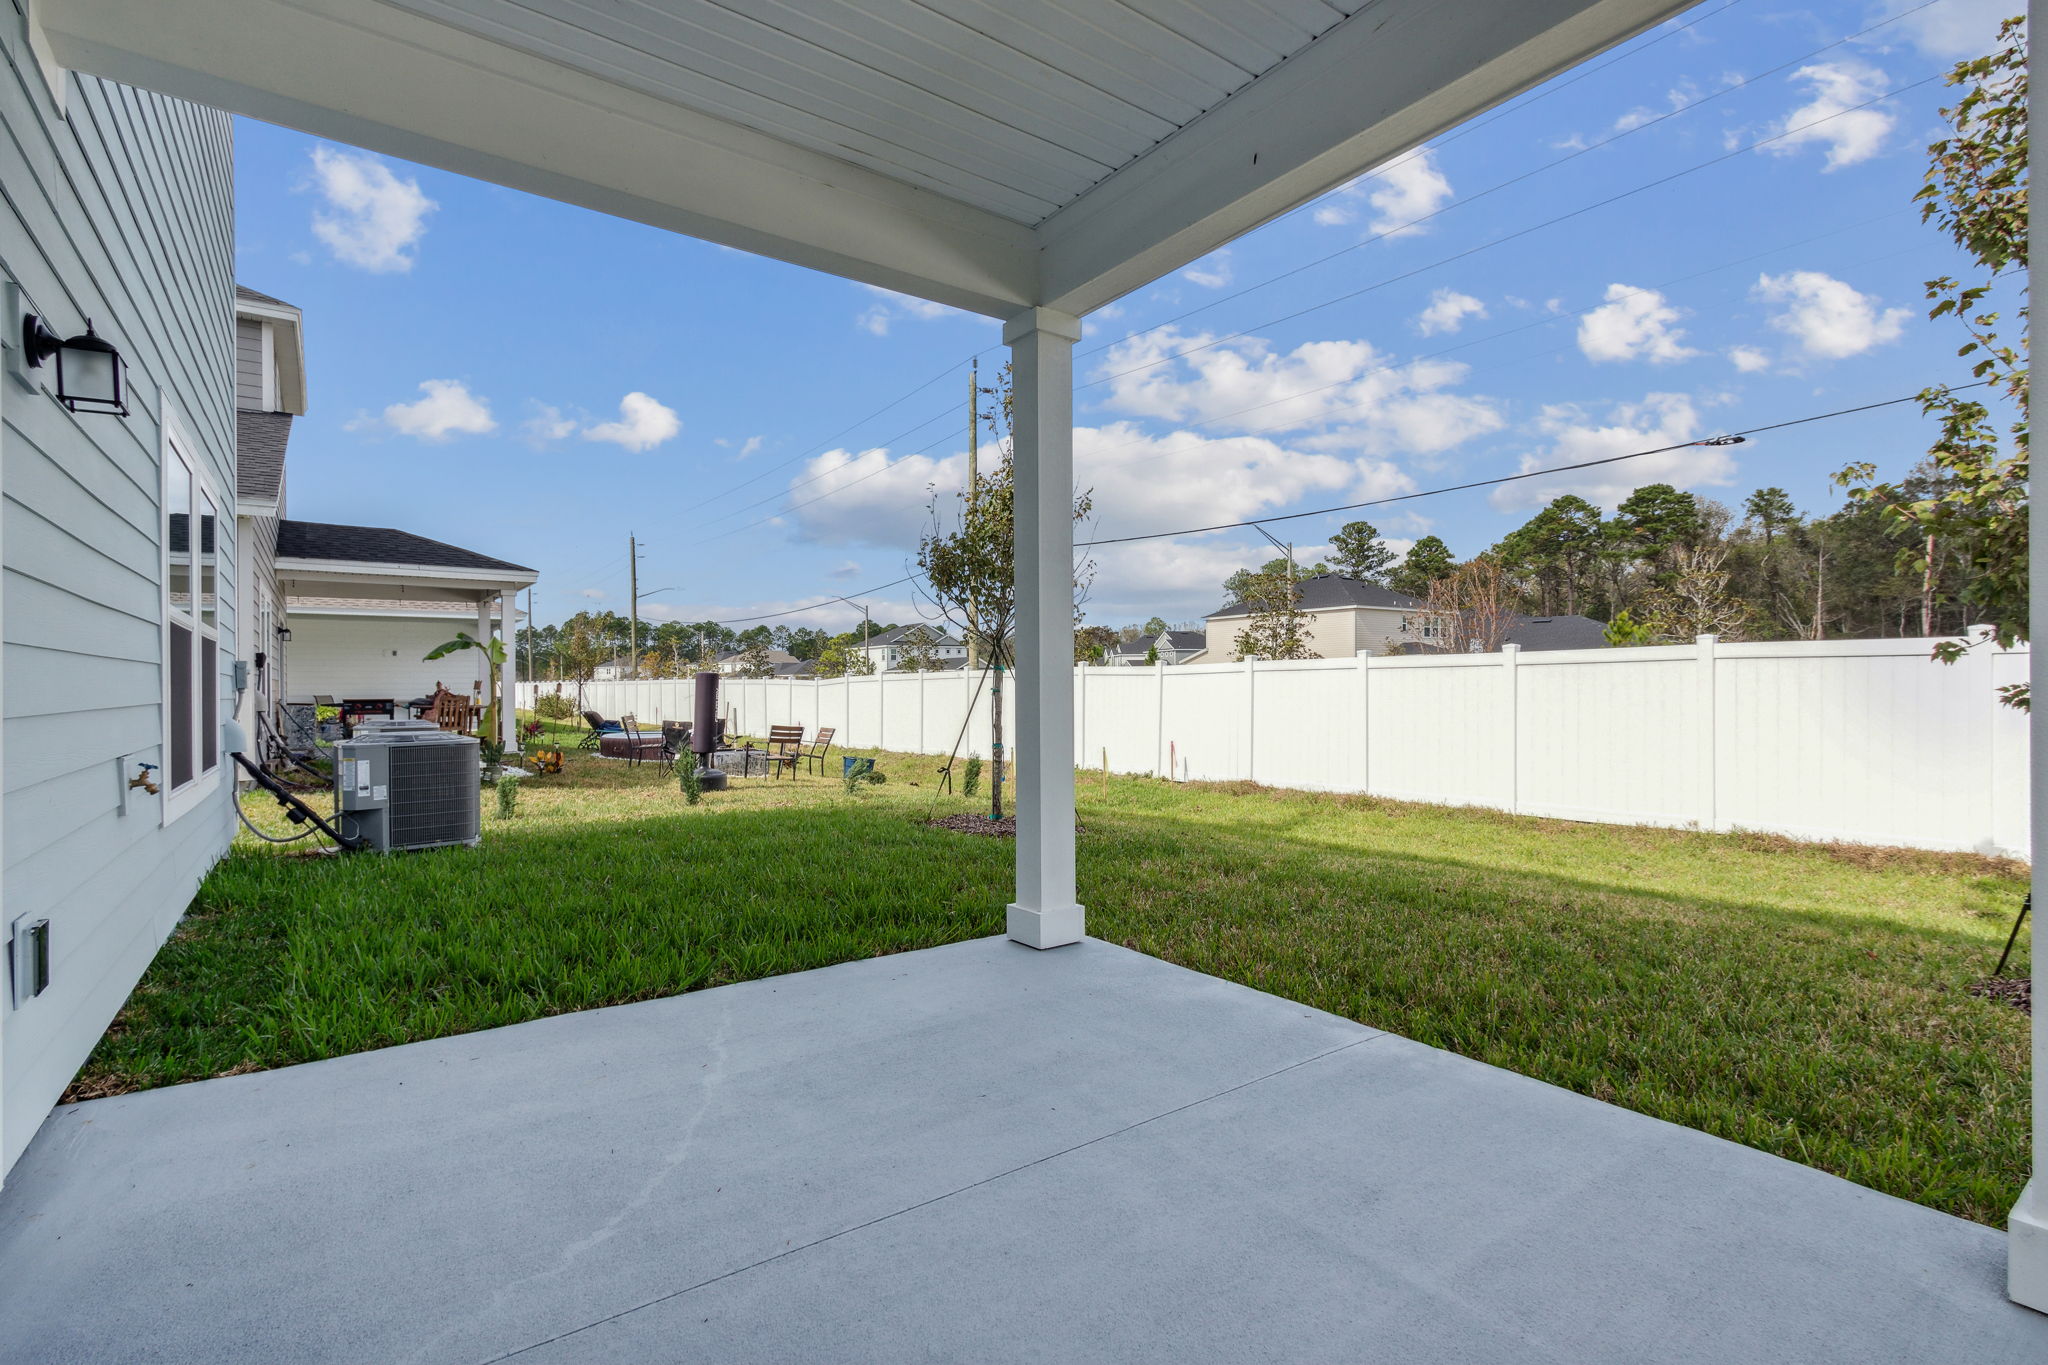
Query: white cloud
[[891, 307], [449, 409], [752, 446], [845, 497], [1447, 312], [849, 569], [1829, 319], [1748, 359], [1634, 324], [373, 218], [594, 594], [1382, 406], [546, 424], [1399, 193], [1660, 419], [643, 424], [1676, 98], [1950, 30], [1849, 134], [1141, 482], [1213, 271]]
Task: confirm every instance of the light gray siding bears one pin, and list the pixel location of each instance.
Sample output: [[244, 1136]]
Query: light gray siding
[[117, 208], [249, 365]]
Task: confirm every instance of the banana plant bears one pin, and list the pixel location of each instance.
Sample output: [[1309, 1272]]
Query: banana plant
[[494, 650]]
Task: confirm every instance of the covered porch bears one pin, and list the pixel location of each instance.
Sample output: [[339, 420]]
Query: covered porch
[[365, 604], [862, 1163], [1089, 1156]]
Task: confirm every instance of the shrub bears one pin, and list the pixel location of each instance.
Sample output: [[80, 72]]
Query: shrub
[[972, 782], [553, 706], [687, 774], [508, 796]]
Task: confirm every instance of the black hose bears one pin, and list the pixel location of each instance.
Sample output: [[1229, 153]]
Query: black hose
[[290, 801]]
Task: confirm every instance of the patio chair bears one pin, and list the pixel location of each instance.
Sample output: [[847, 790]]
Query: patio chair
[[785, 747], [451, 711], [598, 726], [675, 740], [815, 755], [639, 744]]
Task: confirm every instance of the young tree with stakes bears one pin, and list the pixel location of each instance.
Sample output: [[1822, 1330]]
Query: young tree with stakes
[[969, 565]]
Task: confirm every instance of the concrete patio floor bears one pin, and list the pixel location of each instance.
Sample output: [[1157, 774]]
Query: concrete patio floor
[[977, 1152]]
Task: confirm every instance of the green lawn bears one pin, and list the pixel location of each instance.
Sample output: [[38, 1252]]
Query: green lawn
[[1805, 1000]]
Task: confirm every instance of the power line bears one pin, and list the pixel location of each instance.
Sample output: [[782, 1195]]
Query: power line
[[1573, 155], [1728, 438], [1518, 233]]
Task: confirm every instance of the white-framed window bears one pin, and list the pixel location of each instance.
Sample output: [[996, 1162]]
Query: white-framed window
[[192, 524]]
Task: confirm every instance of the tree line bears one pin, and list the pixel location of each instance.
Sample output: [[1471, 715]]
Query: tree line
[[573, 650]]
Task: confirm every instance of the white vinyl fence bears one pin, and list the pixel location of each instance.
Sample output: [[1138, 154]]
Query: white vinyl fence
[[1863, 741]]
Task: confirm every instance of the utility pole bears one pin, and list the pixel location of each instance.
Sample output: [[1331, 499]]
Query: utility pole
[[973, 469], [865, 623], [633, 578]]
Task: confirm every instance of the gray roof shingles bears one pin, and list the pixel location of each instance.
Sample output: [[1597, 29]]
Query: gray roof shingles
[[379, 545], [1329, 592], [260, 439]]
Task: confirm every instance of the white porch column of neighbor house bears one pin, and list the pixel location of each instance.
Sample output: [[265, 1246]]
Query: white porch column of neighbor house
[[2027, 1226], [1045, 913], [483, 655], [508, 672]]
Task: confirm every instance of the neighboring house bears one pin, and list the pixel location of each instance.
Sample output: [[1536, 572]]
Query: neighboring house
[[1348, 615], [734, 662], [122, 624], [1558, 632], [1175, 647], [613, 670], [368, 603], [886, 651], [270, 389]]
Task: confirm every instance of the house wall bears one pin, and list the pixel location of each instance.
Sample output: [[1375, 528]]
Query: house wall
[[118, 207], [376, 656], [1863, 741], [249, 365], [1336, 633], [269, 687]]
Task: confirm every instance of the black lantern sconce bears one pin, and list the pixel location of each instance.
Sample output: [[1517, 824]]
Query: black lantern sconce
[[91, 376], [284, 634]]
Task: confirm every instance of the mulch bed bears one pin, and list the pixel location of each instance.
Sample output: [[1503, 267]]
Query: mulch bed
[[1005, 828], [2017, 991]]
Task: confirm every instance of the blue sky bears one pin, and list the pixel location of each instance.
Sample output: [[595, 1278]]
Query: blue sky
[[536, 381]]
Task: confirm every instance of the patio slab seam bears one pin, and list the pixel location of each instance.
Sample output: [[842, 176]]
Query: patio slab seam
[[935, 1199]]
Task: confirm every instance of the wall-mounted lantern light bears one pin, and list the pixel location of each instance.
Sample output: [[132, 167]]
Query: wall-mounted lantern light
[[91, 376], [284, 634]]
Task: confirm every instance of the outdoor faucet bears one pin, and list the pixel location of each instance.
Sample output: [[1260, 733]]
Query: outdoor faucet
[[142, 779]]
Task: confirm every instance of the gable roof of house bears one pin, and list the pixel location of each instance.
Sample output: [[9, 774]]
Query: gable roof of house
[[378, 545], [1180, 641], [243, 291], [1558, 632], [260, 439], [1333, 592], [902, 634]]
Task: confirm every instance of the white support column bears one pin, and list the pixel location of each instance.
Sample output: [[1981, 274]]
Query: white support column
[[508, 678], [2026, 1227], [1046, 912], [483, 658]]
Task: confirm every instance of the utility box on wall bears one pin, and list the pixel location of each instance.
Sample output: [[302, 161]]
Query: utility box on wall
[[28, 958]]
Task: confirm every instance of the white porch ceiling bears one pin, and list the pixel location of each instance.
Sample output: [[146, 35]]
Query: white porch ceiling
[[990, 154]]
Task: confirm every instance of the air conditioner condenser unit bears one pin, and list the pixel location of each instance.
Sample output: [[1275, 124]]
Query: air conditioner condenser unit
[[406, 784]]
